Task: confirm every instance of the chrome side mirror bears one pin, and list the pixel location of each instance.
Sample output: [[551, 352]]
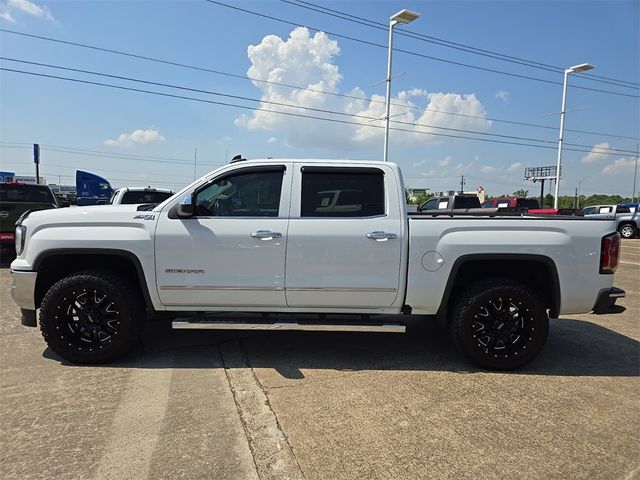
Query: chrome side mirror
[[185, 208]]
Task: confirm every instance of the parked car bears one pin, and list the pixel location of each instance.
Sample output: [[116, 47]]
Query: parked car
[[261, 236], [627, 221], [16, 199], [139, 195]]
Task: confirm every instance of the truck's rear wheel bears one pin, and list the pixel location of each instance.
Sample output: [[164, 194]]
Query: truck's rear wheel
[[91, 317], [499, 324]]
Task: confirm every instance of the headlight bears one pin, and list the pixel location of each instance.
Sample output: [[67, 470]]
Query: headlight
[[21, 234]]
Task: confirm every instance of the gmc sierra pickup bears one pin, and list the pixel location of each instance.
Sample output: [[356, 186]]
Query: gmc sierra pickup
[[301, 237]]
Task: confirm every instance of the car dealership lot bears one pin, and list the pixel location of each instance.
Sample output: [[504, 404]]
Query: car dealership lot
[[191, 404]]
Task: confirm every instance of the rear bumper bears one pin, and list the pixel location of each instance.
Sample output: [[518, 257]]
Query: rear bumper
[[607, 299]]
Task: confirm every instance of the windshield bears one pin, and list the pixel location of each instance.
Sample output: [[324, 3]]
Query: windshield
[[26, 194]]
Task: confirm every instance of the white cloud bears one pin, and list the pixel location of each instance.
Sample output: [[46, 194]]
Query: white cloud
[[309, 61], [272, 140], [137, 136], [622, 165], [419, 163], [31, 8], [6, 15], [223, 140], [596, 154], [445, 161], [514, 166], [488, 169], [503, 95]]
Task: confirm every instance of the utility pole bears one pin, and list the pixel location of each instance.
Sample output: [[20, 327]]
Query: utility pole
[[635, 174], [575, 202], [462, 182]]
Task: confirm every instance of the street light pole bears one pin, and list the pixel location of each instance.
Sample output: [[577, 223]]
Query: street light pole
[[403, 16], [578, 191], [583, 67]]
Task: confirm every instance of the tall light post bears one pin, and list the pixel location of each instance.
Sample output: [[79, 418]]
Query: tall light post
[[578, 191], [583, 67], [403, 16]]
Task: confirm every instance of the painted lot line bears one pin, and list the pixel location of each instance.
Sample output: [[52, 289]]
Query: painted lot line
[[630, 263]]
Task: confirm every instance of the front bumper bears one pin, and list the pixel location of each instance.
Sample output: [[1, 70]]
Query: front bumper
[[23, 292], [607, 299]]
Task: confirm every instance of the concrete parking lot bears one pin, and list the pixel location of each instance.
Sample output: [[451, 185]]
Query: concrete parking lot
[[190, 404]]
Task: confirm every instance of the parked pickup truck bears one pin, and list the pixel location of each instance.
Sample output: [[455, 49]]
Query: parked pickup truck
[[17, 198], [266, 236], [627, 218], [531, 204], [450, 202], [138, 195]]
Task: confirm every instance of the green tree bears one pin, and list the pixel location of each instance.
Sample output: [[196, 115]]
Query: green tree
[[521, 193]]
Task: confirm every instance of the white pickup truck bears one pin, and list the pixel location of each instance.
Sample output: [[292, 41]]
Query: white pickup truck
[[272, 236]]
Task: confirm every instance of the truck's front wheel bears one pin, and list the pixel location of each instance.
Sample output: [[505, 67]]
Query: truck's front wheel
[[499, 324], [91, 317]]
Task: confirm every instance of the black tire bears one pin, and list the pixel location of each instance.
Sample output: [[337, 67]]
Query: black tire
[[499, 324], [628, 230], [91, 317]]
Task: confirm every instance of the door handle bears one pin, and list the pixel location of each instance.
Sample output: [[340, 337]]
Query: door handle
[[266, 235], [380, 236]]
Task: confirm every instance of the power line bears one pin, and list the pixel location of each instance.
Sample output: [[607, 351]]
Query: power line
[[416, 54], [319, 110], [299, 87], [457, 46], [280, 104], [298, 115], [101, 154], [107, 170]]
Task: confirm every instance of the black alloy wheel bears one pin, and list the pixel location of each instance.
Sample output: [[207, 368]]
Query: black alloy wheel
[[499, 324], [91, 317], [88, 318]]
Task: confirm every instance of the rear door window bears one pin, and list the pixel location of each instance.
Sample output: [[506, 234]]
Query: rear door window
[[342, 192]]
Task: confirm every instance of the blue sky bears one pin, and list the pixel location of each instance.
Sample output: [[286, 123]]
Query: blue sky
[[152, 139]]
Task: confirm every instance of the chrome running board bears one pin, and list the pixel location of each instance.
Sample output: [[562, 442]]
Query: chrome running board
[[191, 324]]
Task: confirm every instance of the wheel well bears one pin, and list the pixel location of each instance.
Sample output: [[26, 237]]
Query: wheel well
[[539, 275], [54, 267]]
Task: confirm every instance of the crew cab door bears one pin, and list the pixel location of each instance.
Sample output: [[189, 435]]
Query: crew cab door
[[345, 238], [231, 253]]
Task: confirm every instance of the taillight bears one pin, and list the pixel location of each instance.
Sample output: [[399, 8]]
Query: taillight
[[610, 253]]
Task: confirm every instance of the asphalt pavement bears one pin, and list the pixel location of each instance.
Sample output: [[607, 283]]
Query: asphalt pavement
[[265, 405]]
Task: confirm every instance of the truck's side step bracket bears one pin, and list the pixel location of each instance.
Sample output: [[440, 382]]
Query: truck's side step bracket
[[186, 324]]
